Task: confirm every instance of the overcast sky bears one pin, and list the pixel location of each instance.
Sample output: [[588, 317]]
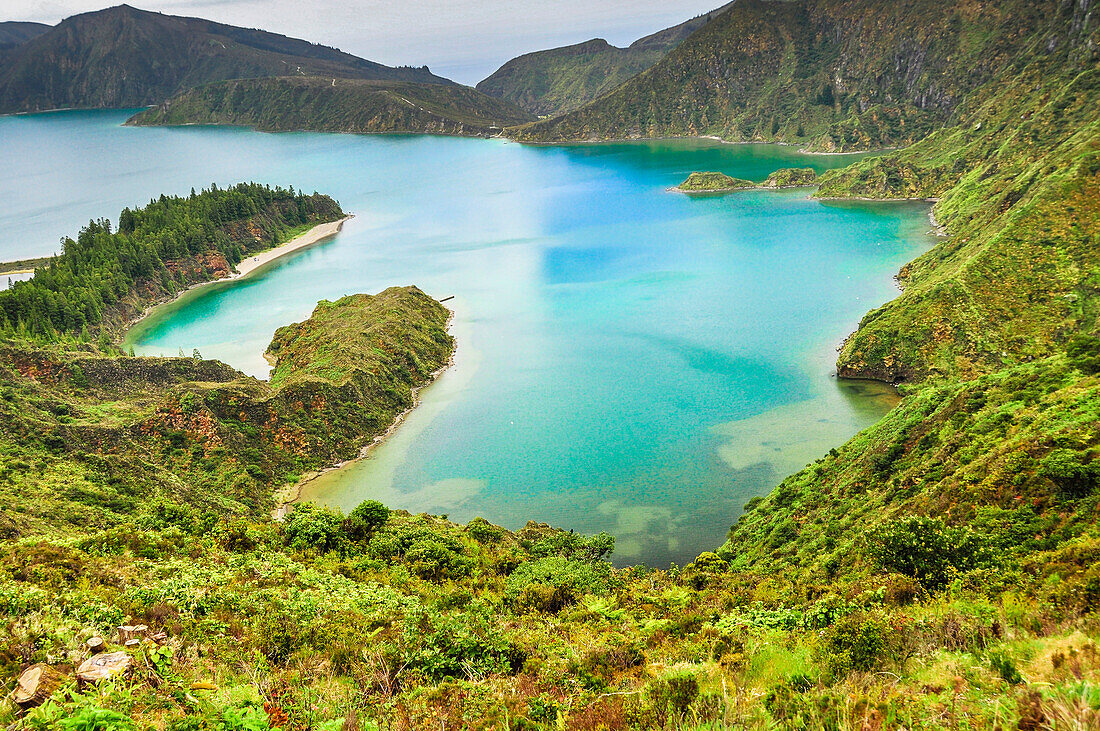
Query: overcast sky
[[465, 40]]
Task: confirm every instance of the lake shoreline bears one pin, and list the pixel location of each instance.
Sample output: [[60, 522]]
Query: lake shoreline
[[709, 138], [290, 495], [315, 235]]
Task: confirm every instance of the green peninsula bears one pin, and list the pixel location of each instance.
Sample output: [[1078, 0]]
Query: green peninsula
[[325, 104]]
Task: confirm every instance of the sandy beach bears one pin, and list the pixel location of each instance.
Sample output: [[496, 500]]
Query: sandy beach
[[315, 234], [246, 266]]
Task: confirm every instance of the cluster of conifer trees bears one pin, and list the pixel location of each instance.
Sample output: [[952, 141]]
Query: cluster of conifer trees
[[107, 275]]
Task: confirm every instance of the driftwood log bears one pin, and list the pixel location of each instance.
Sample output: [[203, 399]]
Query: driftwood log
[[105, 665], [35, 685]]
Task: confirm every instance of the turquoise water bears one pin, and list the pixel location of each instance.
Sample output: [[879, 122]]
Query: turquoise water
[[630, 359]]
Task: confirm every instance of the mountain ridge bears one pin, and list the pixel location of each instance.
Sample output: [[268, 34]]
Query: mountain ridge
[[557, 80], [354, 106], [125, 57]]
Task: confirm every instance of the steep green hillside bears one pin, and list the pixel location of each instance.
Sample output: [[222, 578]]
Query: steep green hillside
[[124, 57], [338, 105], [548, 83], [558, 80], [1007, 466], [1019, 186], [832, 75]]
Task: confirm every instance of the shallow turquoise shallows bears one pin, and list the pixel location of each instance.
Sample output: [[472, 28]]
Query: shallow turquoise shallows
[[630, 359]]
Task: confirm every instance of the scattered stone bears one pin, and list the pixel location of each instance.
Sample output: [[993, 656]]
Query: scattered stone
[[104, 665], [35, 685]]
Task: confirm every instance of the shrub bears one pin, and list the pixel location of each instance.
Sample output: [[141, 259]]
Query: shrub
[[1002, 664], [483, 531], [553, 583], [436, 560], [856, 642], [365, 519], [704, 568], [674, 694], [278, 635], [459, 647], [925, 549], [1071, 474], [572, 545], [1084, 354], [314, 527]]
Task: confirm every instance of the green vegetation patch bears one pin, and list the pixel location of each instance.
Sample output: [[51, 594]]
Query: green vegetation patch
[[790, 178], [713, 182]]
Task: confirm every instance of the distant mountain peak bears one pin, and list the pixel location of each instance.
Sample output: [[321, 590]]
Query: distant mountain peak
[[124, 56], [558, 80]]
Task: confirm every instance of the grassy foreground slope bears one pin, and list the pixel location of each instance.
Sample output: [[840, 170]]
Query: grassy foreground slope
[[338, 105]]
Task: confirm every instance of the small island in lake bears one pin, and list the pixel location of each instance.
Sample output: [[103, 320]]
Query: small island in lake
[[791, 178], [712, 182]]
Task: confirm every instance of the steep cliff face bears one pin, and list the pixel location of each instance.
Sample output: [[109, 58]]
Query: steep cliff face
[[861, 74]]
